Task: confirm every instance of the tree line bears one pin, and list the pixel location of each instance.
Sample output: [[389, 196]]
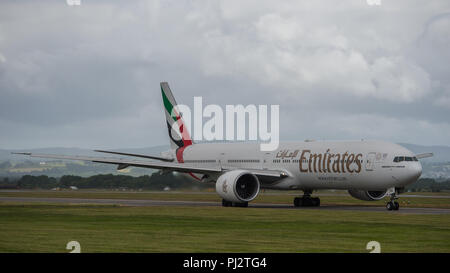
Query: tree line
[[156, 181], [429, 184]]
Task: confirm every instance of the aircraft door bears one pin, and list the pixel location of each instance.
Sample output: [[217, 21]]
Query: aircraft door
[[266, 161], [222, 160], [370, 162]]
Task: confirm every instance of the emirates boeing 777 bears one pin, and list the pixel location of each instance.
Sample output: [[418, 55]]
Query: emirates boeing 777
[[368, 170]]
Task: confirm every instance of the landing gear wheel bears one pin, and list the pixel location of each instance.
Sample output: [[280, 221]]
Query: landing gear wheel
[[390, 206], [315, 202], [226, 203], [241, 205], [306, 201], [396, 205]]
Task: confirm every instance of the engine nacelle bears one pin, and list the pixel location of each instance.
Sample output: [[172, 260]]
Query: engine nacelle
[[237, 186], [368, 195]]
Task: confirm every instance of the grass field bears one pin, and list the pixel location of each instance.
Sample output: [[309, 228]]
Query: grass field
[[48, 228], [108, 228]]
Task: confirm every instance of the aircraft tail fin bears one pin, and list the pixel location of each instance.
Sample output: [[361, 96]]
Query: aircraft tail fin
[[178, 133]]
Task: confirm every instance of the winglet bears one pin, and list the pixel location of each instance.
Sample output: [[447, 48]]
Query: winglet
[[424, 155], [16, 153]]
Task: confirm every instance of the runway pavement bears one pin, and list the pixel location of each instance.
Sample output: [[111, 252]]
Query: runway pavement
[[125, 202]]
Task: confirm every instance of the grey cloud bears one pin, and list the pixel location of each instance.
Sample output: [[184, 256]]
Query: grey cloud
[[89, 75]]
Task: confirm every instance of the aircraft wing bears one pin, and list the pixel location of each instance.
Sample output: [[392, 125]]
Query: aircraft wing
[[170, 166], [123, 163], [425, 155]]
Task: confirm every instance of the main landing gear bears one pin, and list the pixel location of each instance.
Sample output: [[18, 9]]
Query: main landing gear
[[226, 203], [306, 200], [392, 204]]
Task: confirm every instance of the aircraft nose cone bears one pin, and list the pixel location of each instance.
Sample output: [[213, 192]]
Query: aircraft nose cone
[[415, 171], [409, 175]]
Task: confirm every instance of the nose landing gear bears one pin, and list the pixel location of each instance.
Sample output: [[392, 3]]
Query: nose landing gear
[[392, 204]]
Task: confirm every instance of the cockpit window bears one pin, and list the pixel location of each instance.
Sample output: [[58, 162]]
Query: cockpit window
[[405, 158], [401, 158]]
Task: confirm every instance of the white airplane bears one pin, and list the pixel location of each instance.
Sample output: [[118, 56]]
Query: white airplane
[[369, 170]]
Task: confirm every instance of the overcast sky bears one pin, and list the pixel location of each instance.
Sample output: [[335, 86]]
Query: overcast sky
[[88, 76]]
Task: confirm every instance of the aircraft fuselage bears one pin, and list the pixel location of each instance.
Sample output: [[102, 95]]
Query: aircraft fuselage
[[364, 165]]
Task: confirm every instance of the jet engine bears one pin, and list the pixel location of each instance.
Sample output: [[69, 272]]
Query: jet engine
[[368, 195], [237, 186]]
